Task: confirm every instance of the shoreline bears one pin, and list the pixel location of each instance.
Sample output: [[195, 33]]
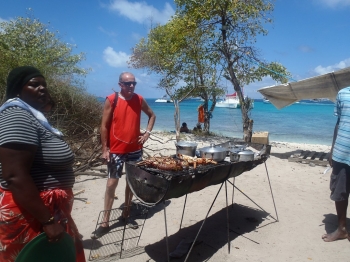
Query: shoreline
[[239, 135], [222, 138], [296, 124]]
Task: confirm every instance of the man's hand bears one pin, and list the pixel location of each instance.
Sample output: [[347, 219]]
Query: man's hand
[[143, 138], [105, 157], [330, 159]]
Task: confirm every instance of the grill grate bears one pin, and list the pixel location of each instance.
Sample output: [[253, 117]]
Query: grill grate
[[170, 174]]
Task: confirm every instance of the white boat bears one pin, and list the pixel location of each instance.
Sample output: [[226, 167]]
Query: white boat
[[226, 104], [266, 101], [230, 101], [164, 99]]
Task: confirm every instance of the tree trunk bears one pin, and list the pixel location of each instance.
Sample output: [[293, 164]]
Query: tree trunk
[[247, 123], [248, 130], [177, 118], [206, 117]]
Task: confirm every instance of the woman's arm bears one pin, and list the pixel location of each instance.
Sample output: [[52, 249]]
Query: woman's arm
[[16, 161]]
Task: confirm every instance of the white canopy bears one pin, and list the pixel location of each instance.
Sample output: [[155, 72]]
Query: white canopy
[[323, 86]]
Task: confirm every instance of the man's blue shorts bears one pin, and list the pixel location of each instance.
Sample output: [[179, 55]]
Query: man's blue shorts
[[116, 162], [340, 181]]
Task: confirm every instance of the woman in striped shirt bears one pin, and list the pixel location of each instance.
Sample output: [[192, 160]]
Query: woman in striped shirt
[[36, 174]]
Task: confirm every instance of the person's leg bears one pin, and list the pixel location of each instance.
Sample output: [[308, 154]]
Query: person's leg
[[112, 184], [340, 186], [340, 232], [127, 203], [114, 172], [133, 156]]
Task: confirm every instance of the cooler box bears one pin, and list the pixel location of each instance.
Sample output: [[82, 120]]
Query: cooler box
[[260, 137]]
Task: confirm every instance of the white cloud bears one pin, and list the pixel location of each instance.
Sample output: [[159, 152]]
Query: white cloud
[[334, 3], [115, 59], [324, 70], [140, 11]]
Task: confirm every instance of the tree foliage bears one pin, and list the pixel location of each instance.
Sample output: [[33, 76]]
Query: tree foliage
[[235, 25], [178, 53], [26, 41]]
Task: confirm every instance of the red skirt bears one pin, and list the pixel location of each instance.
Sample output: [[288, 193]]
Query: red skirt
[[18, 227]]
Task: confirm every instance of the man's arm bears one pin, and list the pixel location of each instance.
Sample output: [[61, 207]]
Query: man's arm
[[334, 138], [105, 127]]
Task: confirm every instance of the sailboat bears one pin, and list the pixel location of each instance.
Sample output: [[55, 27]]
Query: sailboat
[[230, 101], [164, 99]]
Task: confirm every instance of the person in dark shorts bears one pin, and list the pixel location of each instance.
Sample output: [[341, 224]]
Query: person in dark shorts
[[340, 161], [122, 141]]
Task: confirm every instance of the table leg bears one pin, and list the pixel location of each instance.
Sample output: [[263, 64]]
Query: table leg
[[183, 211], [166, 232], [194, 241], [228, 221]]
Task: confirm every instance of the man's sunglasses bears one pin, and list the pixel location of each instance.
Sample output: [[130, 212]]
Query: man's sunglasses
[[129, 83]]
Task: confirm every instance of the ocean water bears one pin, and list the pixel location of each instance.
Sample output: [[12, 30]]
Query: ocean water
[[304, 122]]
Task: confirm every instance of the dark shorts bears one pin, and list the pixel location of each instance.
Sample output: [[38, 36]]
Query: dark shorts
[[340, 181], [116, 162]]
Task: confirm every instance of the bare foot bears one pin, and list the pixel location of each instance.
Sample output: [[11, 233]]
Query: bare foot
[[336, 235]]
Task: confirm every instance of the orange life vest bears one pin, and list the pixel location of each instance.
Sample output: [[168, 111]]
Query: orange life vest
[[201, 114]]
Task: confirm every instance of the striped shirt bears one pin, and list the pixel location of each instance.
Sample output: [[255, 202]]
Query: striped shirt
[[341, 150], [53, 160]]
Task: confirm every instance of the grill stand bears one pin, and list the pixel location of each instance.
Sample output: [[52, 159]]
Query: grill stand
[[227, 213], [142, 180], [111, 243], [166, 232]]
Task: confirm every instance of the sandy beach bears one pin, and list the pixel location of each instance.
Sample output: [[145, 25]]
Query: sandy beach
[[301, 196]]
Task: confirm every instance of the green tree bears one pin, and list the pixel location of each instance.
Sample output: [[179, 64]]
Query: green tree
[[234, 25], [158, 54], [177, 52], [26, 41]]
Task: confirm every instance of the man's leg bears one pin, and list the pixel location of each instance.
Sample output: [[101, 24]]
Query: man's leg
[[108, 203], [133, 156], [340, 232], [112, 184], [127, 203]]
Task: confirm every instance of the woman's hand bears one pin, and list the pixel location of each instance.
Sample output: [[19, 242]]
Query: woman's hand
[[54, 232]]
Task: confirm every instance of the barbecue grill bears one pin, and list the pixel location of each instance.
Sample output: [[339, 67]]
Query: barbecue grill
[[152, 186]]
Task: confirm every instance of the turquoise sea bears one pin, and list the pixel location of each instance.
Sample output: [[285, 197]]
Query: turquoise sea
[[304, 122]]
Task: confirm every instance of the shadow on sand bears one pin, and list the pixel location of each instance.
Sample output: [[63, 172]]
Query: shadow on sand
[[213, 235], [331, 223]]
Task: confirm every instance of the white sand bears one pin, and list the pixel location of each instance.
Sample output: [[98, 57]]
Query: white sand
[[301, 194]]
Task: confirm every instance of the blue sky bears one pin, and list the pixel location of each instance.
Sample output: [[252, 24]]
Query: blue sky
[[309, 37]]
